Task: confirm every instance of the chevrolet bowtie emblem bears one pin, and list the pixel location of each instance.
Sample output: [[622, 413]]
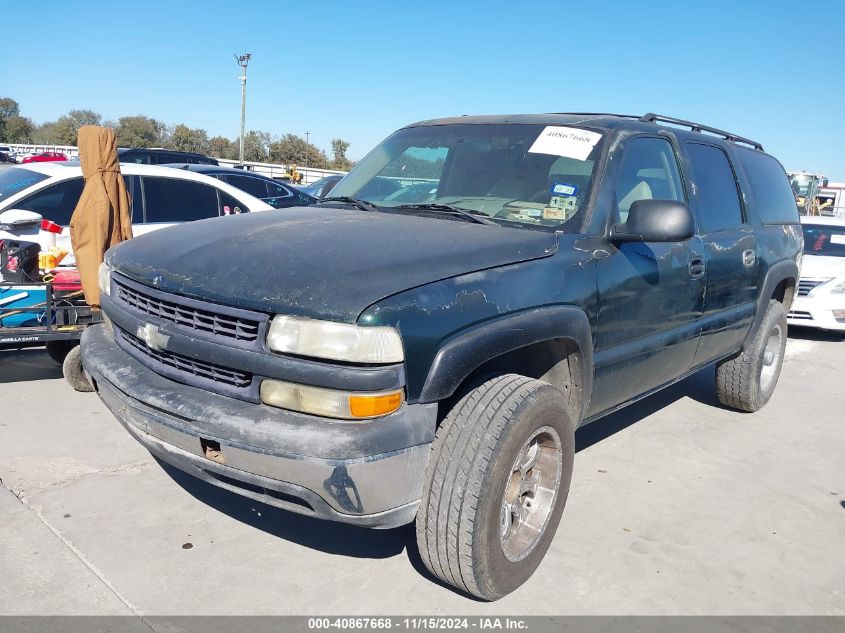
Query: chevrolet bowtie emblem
[[152, 336]]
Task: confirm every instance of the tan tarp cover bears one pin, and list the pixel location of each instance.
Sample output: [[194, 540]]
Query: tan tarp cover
[[103, 217]]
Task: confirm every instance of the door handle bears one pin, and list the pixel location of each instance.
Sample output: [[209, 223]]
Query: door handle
[[696, 268], [749, 258]]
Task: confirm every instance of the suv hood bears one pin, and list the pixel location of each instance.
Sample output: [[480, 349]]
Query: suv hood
[[318, 262]]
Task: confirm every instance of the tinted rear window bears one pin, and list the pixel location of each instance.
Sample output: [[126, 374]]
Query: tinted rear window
[[253, 186], [716, 200], [16, 179], [773, 197], [174, 200]]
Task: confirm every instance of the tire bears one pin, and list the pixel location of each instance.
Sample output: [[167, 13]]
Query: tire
[[747, 381], [58, 350], [72, 370], [467, 535]]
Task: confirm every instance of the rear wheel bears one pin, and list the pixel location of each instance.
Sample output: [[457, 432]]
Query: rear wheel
[[73, 372], [747, 381], [496, 485]]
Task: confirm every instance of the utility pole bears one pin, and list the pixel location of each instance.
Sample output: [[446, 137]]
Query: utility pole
[[307, 136], [243, 62]]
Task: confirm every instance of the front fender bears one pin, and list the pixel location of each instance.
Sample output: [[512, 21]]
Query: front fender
[[460, 355]]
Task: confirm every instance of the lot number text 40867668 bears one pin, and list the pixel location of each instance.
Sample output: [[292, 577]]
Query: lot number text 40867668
[[417, 623]]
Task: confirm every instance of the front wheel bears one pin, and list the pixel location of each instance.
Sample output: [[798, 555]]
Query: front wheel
[[73, 372], [747, 381], [496, 485]]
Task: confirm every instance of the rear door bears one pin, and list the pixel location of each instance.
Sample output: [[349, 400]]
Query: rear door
[[729, 248]]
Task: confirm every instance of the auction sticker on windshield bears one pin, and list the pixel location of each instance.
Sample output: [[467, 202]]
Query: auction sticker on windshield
[[565, 141]]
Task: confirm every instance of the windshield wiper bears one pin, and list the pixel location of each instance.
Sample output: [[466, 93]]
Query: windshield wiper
[[361, 204], [472, 216]]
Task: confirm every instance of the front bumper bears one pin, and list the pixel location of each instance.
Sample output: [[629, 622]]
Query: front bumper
[[817, 312], [364, 473]]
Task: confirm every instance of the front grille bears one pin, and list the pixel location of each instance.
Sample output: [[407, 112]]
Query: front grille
[[193, 317], [800, 314], [806, 285], [190, 366]]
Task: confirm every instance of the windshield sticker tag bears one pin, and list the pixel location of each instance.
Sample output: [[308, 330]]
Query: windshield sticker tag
[[569, 142], [837, 239], [568, 204], [562, 189]]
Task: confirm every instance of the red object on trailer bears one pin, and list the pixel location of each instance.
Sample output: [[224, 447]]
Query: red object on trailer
[[66, 280], [50, 227]]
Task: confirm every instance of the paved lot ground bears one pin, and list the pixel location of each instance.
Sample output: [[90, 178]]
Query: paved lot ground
[[677, 506]]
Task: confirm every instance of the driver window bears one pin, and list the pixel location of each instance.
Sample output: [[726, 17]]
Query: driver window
[[649, 171], [55, 203]]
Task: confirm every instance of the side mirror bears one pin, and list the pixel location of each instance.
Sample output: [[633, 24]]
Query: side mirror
[[19, 220], [655, 221]]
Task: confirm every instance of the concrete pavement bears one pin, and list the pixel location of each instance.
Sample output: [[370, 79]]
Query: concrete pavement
[[677, 507]]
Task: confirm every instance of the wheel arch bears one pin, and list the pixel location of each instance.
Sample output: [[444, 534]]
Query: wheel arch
[[779, 284], [552, 343]]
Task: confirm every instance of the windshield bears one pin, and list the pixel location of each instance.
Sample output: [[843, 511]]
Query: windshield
[[820, 239], [322, 182], [17, 179], [529, 175]]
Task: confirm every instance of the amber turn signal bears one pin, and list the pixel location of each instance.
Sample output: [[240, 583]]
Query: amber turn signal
[[374, 406]]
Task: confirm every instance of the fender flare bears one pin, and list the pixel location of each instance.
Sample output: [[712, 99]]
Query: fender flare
[[785, 269], [460, 355]]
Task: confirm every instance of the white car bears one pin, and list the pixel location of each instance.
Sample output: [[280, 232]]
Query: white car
[[161, 196], [820, 302]]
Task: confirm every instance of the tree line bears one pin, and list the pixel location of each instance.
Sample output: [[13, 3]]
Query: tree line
[[144, 131]]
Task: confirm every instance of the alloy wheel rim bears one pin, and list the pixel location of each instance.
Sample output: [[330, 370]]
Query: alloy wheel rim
[[771, 358], [530, 493]]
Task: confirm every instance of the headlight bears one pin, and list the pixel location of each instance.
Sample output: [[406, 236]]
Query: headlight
[[835, 286], [335, 341], [328, 402], [104, 278], [839, 288]]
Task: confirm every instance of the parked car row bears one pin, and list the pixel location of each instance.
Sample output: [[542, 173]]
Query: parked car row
[[160, 196], [277, 194], [20, 158], [160, 156]]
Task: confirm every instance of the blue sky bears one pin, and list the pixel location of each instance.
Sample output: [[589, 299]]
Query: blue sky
[[771, 71]]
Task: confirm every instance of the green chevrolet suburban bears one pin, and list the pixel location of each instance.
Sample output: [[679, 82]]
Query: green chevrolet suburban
[[421, 346]]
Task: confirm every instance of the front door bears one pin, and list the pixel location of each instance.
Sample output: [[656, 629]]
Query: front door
[[649, 294]]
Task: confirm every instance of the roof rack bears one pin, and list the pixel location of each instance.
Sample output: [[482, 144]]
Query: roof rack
[[697, 127], [624, 116]]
